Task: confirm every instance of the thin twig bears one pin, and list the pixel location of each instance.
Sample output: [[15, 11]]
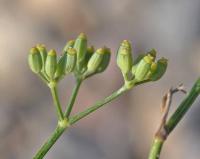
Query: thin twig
[[167, 125], [166, 103]]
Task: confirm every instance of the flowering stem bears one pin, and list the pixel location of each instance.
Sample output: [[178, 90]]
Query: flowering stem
[[174, 120], [44, 79], [183, 107], [56, 100], [51, 141], [96, 106], [62, 127], [72, 98], [156, 148]]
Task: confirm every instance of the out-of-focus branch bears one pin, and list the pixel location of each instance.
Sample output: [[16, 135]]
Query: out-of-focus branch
[[166, 103], [166, 126]]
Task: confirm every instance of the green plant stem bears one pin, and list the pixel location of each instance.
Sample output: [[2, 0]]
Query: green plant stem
[[73, 98], [56, 100], [50, 142], [156, 148], [183, 107], [174, 120], [44, 79], [59, 130], [96, 106]]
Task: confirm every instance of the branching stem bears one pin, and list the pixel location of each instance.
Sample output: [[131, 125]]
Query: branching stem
[[73, 98], [96, 106], [51, 141], [56, 101], [169, 125], [64, 123]]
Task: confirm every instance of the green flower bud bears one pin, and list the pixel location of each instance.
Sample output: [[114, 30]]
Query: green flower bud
[[90, 50], [152, 70], [95, 60], [60, 70], [71, 60], [35, 60], [160, 69], [124, 57], [143, 67], [105, 61], [43, 53], [89, 53], [153, 67], [68, 45], [134, 67], [153, 53], [136, 62], [51, 64], [81, 47]]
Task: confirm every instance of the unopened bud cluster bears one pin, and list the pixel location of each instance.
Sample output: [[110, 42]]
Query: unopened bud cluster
[[85, 61], [143, 68], [77, 57]]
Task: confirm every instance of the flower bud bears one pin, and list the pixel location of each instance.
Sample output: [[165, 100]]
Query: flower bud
[[136, 62], [81, 47], [124, 57], [134, 67], [89, 53], [43, 53], [153, 67], [71, 60], [95, 60], [105, 61], [160, 69], [153, 53], [90, 50], [35, 60], [151, 71], [143, 67], [68, 45], [51, 64], [60, 70]]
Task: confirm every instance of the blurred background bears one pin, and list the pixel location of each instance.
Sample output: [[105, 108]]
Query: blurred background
[[124, 128]]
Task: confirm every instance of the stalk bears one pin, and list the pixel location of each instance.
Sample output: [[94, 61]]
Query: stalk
[[64, 124], [56, 101], [176, 117], [96, 106], [51, 141], [73, 98]]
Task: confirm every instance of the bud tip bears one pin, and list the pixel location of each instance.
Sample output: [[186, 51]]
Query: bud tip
[[34, 50], [100, 51], [52, 52], [71, 51], [82, 36], [126, 44]]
